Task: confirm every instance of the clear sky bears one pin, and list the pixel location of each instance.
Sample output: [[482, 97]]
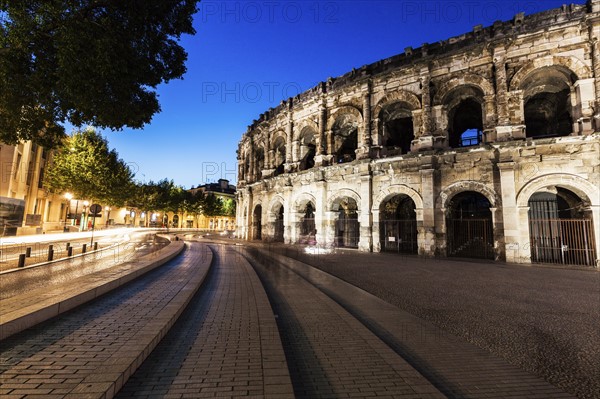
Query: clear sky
[[247, 56]]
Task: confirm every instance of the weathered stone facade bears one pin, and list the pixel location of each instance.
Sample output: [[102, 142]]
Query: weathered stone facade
[[487, 144]]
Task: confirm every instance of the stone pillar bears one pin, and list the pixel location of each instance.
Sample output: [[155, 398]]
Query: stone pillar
[[364, 142], [288, 222], [501, 87], [252, 171], [585, 93], [321, 213], [516, 115], [489, 123], [375, 231], [289, 151], [366, 200], [512, 224], [427, 233], [595, 39], [425, 140]]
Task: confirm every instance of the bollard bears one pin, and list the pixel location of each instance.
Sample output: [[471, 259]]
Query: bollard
[[83, 248], [69, 251], [28, 252], [68, 245], [50, 254], [96, 246], [21, 260]]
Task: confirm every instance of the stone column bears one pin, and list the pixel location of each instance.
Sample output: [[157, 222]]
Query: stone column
[[427, 233], [321, 213], [516, 115], [489, 123], [512, 224], [595, 41], [425, 139], [364, 142], [289, 151], [375, 231], [585, 93], [366, 201], [288, 222]]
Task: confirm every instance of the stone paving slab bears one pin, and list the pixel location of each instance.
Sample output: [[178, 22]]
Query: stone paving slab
[[20, 312], [457, 368], [330, 353], [92, 350], [226, 343]]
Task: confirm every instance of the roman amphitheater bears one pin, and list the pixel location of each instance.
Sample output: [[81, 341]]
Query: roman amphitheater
[[485, 145]]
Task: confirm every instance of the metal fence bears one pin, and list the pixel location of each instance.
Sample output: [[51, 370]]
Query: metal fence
[[472, 238], [399, 235], [562, 241]]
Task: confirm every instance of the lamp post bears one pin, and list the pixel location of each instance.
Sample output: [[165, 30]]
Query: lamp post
[[107, 209], [83, 222], [69, 197]]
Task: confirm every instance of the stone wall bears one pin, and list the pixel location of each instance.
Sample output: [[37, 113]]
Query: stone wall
[[502, 112]]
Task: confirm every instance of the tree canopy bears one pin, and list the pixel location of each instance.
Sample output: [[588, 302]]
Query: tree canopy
[[85, 166], [86, 62]]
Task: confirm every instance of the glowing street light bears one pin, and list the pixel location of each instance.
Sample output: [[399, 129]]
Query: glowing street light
[[69, 197]]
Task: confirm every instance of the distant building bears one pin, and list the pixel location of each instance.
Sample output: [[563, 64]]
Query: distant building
[[221, 189], [25, 206]]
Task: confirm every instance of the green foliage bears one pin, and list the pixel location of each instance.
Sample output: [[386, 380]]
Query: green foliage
[[86, 167], [87, 62], [229, 207]]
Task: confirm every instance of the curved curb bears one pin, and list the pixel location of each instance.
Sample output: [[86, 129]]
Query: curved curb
[[94, 286]]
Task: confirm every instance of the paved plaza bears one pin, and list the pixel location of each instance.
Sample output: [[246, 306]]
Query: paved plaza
[[226, 319]]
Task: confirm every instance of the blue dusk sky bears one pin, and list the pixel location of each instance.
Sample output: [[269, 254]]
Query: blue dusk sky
[[247, 56]]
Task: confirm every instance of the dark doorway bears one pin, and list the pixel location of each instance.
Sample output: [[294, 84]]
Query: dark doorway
[[469, 230], [279, 229], [257, 223], [398, 225], [347, 227]]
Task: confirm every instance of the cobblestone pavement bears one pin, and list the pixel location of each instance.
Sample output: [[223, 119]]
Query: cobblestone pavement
[[543, 319], [330, 353], [225, 344], [91, 350]]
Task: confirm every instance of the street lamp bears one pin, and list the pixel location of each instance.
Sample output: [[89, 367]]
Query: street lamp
[[69, 197], [82, 226], [107, 209]]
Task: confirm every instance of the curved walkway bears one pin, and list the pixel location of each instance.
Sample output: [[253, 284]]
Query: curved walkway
[[226, 343]]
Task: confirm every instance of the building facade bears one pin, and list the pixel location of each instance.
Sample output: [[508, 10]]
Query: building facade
[[484, 145], [25, 206]]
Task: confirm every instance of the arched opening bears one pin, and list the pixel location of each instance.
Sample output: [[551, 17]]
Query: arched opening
[[308, 229], [397, 128], [561, 229], [547, 102], [278, 228], [257, 223], [398, 224], [307, 149], [345, 137], [175, 221], [279, 155], [465, 127], [259, 164], [347, 227], [469, 226], [165, 221]]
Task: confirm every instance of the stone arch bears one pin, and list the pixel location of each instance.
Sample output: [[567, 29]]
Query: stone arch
[[345, 130], [458, 187], [306, 146], [274, 205], [333, 202], [341, 111], [277, 137], [397, 96], [303, 124], [394, 190], [468, 79], [588, 193], [573, 64], [301, 200]]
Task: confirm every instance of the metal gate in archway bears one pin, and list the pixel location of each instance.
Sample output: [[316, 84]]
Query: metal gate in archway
[[562, 241], [559, 231], [469, 226], [399, 235], [470, 238]]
